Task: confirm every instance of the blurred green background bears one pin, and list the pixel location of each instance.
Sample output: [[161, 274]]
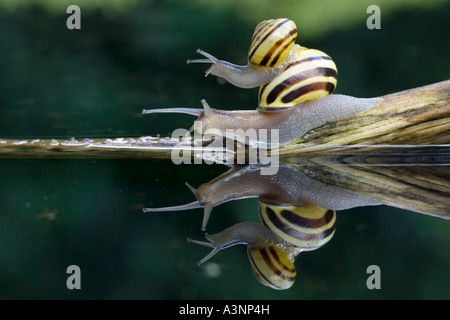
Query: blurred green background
[[131, 55]]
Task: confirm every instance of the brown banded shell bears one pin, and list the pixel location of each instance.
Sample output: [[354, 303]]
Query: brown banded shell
[[311, 75], [305, 227], [271, 43], [272, 266]]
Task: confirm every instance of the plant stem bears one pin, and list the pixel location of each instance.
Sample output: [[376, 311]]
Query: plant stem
[[418, 116]]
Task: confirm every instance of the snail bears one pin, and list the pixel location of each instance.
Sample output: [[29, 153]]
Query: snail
[[269, 54], [290, 186], [273, 245], [287, 73], [297, 214], [295, 89]]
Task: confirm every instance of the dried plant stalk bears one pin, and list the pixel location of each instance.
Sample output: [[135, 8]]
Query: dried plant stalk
[[420, 182], [418, 116]]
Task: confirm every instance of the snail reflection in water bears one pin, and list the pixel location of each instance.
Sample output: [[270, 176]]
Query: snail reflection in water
[[295, 96], [297, 206], [297, 214]]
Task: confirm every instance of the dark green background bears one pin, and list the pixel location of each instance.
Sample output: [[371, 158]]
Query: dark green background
[[95, 81]]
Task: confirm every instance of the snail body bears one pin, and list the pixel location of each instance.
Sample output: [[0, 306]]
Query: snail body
[[291, 123], [290, 186]]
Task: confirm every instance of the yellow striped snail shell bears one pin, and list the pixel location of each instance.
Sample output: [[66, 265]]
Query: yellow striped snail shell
[[272, 42], [307, 227], [311, 75], [272, 265]]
